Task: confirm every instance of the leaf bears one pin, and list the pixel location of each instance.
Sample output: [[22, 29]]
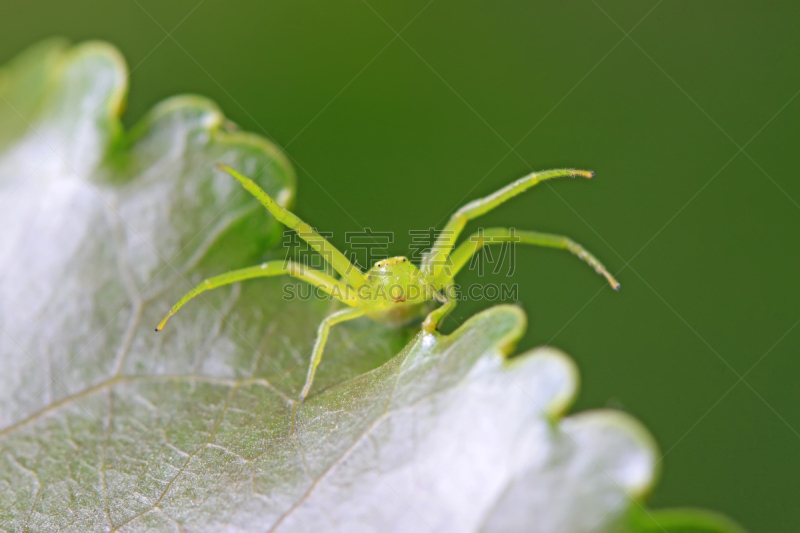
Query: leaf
[[108, 427]]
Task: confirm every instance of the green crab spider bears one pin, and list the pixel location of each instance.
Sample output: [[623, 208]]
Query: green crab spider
[[394, 290]]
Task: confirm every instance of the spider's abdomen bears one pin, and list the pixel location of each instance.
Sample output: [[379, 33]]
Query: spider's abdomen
[[403, 314]]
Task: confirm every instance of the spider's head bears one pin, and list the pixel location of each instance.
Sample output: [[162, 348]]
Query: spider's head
[[391, 263], [397, 270], [398, 278]]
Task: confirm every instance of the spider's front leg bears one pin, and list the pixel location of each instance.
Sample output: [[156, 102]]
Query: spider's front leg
[[316, 278], [439, 255], [322, 337], [329, 253]]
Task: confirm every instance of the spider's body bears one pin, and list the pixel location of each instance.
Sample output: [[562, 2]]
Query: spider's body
[[395, 291]]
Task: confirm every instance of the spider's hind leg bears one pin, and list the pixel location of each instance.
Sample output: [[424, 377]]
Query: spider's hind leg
[[434, 318]]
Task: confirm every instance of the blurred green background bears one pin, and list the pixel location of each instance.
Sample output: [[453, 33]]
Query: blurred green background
[[686, 111]]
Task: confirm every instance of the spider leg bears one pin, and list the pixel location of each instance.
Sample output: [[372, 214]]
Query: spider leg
[[317, 278], [322, 337], [439, 254], [468, 248], [433, 319], [334, 257]]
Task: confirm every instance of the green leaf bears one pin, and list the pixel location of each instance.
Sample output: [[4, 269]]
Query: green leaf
[[107, 426]]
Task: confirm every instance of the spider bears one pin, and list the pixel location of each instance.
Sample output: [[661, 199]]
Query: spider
[[394, 290]]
